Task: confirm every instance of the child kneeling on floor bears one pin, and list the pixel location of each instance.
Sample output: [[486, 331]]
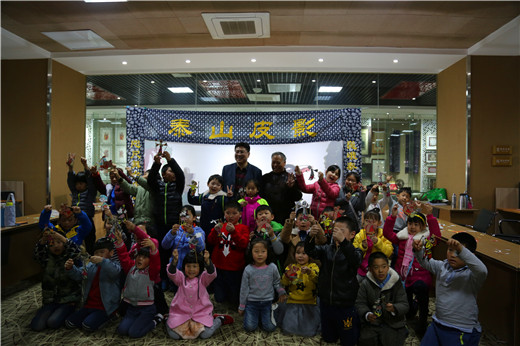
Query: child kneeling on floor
[[382, 304], [457, 281], [191, 310], [102, 292], [138, 291]]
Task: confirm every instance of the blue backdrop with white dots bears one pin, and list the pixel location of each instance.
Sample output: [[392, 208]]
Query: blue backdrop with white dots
[[251, 127]]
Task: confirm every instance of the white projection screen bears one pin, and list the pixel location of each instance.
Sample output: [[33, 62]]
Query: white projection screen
[[199, 161]]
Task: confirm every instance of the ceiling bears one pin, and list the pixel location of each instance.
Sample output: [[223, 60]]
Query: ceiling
[[156, 38]]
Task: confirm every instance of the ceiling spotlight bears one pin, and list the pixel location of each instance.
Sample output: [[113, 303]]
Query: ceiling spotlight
[[395, 61], [258, 80], [314, 81], [153, 82], [413, 98], [204, 81], [387, 113], [398, 106], [253, 60], [119, 98], [320, 60], [374, 82], [124, 63], [188, 61]]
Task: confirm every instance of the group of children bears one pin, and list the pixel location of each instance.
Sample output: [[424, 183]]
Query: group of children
[[328, 269]]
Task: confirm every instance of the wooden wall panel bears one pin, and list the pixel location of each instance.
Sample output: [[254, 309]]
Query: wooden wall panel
[[495, 105], [24, 128], [451, 128], [67, 127]]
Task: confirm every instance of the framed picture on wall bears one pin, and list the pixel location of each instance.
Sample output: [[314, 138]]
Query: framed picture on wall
[[120, 136], [365, 141], [120, 156], [105, 135], [105, 150], [378, 142], [431, 156], [431, 142], [378, 167]]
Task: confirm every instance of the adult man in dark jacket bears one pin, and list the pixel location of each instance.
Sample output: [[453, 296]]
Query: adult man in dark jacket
[[237, 174]]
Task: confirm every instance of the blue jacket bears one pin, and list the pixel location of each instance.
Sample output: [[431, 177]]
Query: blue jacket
[[181, 242], [109, 282], [229, 173], [76, 233]]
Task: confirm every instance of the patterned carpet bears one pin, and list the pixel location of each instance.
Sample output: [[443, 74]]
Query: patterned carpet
[[19, 305]]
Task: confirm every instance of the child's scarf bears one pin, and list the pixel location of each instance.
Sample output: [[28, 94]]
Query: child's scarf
[[408, 257], [363, 268]]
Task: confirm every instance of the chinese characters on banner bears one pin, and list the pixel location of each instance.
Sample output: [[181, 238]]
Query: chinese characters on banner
[[252, 127]]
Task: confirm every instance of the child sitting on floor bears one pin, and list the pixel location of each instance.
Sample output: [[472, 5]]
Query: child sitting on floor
[[138, 290], [457, 281], [370, 239], [382, 305], [300, 315], [191, 310], [257, 291], [102, 293], [417, 280], [60, 293]]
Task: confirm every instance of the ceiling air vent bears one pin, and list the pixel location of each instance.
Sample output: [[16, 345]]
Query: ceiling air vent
[[237, 25], [263, 97]]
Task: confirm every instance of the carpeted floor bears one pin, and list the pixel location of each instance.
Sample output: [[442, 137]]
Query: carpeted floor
[[19, 305]]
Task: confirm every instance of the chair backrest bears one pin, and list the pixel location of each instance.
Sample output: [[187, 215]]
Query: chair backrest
[[484, 220]]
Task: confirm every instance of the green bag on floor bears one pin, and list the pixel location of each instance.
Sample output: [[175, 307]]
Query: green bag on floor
[[435, 195]]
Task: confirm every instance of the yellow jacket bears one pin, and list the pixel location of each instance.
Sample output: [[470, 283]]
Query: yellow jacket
[[383, 245], [302, 289]]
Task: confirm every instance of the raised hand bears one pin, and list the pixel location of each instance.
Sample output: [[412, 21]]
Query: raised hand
[[230, 227], [147, 242], [76, 209], [229, 191], [297, 171], [206, 257], [166, 155], [69, 264], [290, 180], [175, 256], [320, 175], [157, 158], [394, 209], [129, 225]]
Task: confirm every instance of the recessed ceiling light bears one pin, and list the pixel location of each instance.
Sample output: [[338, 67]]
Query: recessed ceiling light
[[320, 60], [329, 89], [153, 82], [204, 81], [181, 90], [387, 113], [398, 106], [413, 98], [104, 120], [253, 60], [314, 81], [188, 61], [395, 61], [374, 82], [258, 80], [124, 63], [118, 98]]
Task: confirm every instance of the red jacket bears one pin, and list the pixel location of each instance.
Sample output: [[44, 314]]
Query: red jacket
[[416, 272], [324, 194], [235, 242]]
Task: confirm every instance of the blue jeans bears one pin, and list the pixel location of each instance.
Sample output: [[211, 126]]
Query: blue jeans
[[259, 311], [138, 321], [90, 319], [51, 316], [437, 334]]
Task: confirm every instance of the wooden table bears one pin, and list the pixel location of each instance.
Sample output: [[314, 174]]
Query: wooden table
[[456, 215], [17, 250], [508, 210], [499, 297]]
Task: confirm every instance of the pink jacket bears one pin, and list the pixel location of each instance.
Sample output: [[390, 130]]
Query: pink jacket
[[417, 272], [324, 194], [191, 300]]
